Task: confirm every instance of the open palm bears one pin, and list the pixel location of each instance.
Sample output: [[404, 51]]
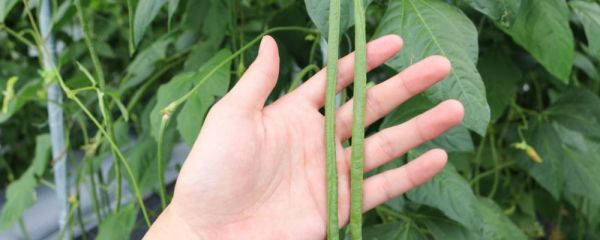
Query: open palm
[[258, 171]]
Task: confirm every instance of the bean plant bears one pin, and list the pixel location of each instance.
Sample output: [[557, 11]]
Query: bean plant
[[139, 76]]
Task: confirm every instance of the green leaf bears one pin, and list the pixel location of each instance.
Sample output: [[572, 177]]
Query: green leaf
[[443, 229], [145, 62], [501, 77], [577, 109], [142, 159], [145, 12], [25, 94], [586, 65], [20, 194], [581, 164], [434, 27], [5, 7], [542, 28], [528, 224], [172, 9], [167, 93], [393, 231], [503, 12], [590, 209], [407, 110], [495, 224], [191, 117], [118, 225], [544, 138], [457, 139], [120, 105], [214, 23], [561, 140], [589, 14], [318, 10], [452, 194]]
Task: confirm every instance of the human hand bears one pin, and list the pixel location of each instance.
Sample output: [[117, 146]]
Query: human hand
[[258, 172]]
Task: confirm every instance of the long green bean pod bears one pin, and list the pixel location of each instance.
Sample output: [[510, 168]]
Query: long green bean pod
[[333, 45], [358, 122]]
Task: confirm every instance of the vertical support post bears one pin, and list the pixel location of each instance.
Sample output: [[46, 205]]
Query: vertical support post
[[55, 119]]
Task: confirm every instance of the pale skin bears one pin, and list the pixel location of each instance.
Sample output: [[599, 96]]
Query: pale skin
[[257, 171]]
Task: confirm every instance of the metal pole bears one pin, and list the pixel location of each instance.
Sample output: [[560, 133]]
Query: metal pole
[[55, 119]]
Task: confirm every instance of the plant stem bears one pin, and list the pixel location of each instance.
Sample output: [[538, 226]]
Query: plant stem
[[130, 12], [358, 122], [90, 46], [69, 93], [106, 115], [104, 198], [161, 168], [333, 44], [120, 156], [79, 212], [156, 76], [95, 202], [490, 172], [18, 36], [495, 158], [301, 75], [23, 229]]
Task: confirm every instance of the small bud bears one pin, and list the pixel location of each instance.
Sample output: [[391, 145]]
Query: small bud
[[166, 116], [529, 150], [72, 199]]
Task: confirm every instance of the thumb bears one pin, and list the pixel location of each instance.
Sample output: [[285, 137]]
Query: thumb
[[254, 87]]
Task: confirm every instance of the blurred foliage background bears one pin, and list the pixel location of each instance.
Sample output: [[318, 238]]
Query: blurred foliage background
[[523, 165]]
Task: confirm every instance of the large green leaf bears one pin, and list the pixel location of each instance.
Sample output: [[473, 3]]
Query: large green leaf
[[544, 138], [393, 231], [542, 28], [502, 11], [173, 4], [118, 225], [561, 141], [167, 93], [214, 35], [191, 117], [20, 194], [584, 63], [435, 27], [589, 14], [142, 160], [145, 12], [590, 209], [581, 164], [443, 229], [452, 194], [457, 139], [577, 109], [501, 77], [145, 62], [318, 10], [5, 7], [495, 224]]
